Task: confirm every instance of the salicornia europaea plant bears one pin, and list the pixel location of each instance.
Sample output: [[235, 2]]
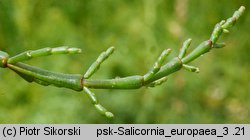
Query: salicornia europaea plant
[[156, 76]]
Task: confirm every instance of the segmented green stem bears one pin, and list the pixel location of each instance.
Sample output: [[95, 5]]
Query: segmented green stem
[[203, 48], [231, 21], [31, 73], [43, 52], [156, 76], [184, 48], [96, 65], [158, 82], [98, 106], [191, 68], [157, 65], [219, 28]]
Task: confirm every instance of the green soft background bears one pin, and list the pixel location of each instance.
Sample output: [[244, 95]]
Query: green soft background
[[139, 30]]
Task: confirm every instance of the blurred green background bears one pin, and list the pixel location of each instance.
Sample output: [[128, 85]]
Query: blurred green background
[[139, 30]]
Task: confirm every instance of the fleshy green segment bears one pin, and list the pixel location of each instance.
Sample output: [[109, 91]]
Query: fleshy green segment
[[218, 30], [172, 66], [157, 65], [98, 106], [184, 48], [191, 68], [219, 45], [129, 82], [231, 21], [157, 82], [223, 26], [96, 65], [43, 52], [45, 77], [204, 47]]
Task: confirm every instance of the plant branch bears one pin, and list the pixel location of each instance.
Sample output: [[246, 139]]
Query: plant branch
[[78, 82]]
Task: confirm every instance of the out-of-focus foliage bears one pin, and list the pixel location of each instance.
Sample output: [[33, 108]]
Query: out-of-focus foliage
[[139, 30]]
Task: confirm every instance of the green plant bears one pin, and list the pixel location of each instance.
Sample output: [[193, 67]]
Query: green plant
[[156, 76]]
